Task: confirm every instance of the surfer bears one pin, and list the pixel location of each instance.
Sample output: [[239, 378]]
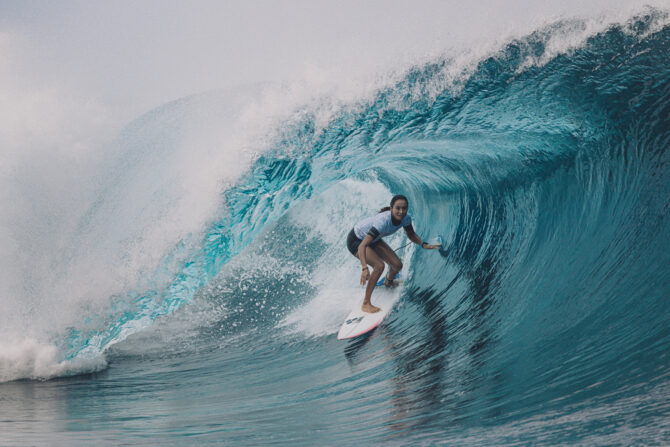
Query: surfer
[[365, 242]]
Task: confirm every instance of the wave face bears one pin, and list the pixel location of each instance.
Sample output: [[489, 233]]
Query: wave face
[[542, 319]]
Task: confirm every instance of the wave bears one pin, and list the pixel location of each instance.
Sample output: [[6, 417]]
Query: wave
[[543, 166]]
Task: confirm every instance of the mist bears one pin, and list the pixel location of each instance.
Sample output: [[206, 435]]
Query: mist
[[132, 56]]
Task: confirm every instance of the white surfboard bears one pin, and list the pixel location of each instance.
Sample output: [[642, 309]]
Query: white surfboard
[[358, 322]]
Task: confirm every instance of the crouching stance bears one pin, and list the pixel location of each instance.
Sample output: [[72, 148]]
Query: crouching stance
[[366, 243]]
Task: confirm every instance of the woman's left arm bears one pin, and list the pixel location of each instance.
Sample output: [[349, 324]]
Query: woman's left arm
[[412, 236]]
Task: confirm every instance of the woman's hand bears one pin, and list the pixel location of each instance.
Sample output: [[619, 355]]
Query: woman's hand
[[431, 247], [365, 274]]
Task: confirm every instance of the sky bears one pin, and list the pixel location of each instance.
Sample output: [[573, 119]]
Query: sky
[[130, 56]]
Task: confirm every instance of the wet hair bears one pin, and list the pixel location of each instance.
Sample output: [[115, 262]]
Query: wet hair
[[394, 200]]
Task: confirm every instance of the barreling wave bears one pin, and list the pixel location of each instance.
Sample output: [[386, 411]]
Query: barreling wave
[[546, 173]]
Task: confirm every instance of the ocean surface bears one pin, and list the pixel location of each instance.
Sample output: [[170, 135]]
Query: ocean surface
[[197, 296]]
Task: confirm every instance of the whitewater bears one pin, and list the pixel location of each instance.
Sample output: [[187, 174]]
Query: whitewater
[[191, 291]]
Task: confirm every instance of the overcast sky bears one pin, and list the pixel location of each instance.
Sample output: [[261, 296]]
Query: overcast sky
[[135, 55]]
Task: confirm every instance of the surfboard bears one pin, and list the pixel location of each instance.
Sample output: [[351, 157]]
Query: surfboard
[[358, 322]]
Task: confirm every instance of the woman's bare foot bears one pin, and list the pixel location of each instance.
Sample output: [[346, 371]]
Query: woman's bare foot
[[369, 308]]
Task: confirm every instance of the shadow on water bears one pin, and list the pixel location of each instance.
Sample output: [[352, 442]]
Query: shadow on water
[[432, 388], [355, 345]]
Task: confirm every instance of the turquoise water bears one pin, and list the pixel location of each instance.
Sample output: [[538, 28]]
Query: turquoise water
[[542, 320]]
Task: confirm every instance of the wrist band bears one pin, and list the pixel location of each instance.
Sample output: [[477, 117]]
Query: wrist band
[[423, 242], [364, 268]]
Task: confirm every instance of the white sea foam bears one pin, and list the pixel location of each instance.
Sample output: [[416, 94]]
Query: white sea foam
[[71, 241], [31, 359]]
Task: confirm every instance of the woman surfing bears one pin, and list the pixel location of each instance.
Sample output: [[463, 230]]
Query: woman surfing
[[365, 242]]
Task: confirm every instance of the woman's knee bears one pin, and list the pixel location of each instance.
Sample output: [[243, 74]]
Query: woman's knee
[[397, 266], [378, 267]]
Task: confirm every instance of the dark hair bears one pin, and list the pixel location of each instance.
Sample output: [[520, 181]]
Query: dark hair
[[394, 200]]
